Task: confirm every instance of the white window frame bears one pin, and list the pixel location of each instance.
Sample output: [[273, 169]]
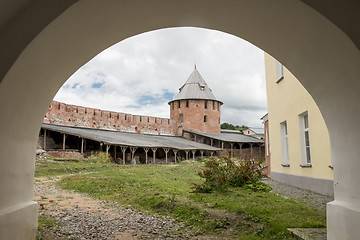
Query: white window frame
[[279, 71], [305, 143], [284, 144]]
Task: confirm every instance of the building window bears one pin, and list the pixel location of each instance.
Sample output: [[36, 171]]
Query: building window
[[279, 71], [205, 104], [187, 103], [284, 144], [178, 104], [181, 117], [205, 118], [305, 138], [213, 105]]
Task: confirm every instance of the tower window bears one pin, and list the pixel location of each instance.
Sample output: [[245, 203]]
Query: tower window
[[181, 117], [213, 105], [172, 105], [205, 118], [205, 104], [187, 103], [178, 104]]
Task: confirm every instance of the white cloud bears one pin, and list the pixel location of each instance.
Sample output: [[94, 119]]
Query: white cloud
[[157, 62]]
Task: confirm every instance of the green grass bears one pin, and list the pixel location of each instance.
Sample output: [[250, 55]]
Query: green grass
[[165, 189], [55, 168], [45, 223]]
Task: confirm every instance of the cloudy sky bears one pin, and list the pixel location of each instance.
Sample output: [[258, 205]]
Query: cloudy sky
[[141, 74]]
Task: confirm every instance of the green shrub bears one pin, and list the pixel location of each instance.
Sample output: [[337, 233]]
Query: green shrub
[[258, 186], [219, 173], [100, 157]]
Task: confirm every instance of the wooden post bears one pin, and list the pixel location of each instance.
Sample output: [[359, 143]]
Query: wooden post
[[82, 146], [107, 149], [45, 140], [259, 151], [175, 153], [222, 145], [186, 154], [64, 138], [115, 153], [133, 149], [202, 154], [193, 152], [146, 149], [240, 150], [123, 149], [232, 150], [211, 153], [154, 154], [211, 142], [166, 154], [251, 150]]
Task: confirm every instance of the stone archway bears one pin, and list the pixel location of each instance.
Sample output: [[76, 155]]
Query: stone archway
[[43, 43]]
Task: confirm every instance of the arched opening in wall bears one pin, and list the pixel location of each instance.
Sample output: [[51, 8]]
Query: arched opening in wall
[[334, 48], [101, 83]]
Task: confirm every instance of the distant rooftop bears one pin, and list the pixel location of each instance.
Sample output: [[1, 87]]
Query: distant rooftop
[[229, 137], [195, 88], [129, 139]]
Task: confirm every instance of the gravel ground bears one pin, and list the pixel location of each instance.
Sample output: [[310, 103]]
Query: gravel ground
[[81, 217], [308, 198]]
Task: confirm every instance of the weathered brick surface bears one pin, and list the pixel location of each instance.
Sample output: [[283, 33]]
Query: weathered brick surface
[[193, 115], [66, 154], [267, 144], [70, 115]]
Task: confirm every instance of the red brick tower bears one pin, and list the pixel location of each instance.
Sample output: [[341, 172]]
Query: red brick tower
[[195, 107]]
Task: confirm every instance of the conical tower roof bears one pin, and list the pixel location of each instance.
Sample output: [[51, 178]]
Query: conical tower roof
[[195, 88]]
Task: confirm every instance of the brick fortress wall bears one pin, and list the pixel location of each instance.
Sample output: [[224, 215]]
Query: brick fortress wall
[[189, 115], [71, 115]]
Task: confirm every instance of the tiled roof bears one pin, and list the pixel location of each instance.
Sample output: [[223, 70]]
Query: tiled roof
[[229, 137], [195, 88], [129, 139]]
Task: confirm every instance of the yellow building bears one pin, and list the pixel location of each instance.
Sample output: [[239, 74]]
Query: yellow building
[[299, 139]]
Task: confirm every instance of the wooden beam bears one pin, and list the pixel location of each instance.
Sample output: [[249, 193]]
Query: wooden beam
[[154, 154], [166, 150], [146, 149], [45, 140], [175, 153], [193, 152], [82, 146], [64, 139], [123, 149]]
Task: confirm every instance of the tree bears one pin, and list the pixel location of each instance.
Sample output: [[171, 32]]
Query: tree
[[229, 126]]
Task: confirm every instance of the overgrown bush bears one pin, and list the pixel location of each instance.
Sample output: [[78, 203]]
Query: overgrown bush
[[100, 157], [220, 173]]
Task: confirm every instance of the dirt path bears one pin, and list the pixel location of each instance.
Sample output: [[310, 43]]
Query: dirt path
[[82, 217]]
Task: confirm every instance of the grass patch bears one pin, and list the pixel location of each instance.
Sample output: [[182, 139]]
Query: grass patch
[[165, 190], [45, 226], [55, 168]]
